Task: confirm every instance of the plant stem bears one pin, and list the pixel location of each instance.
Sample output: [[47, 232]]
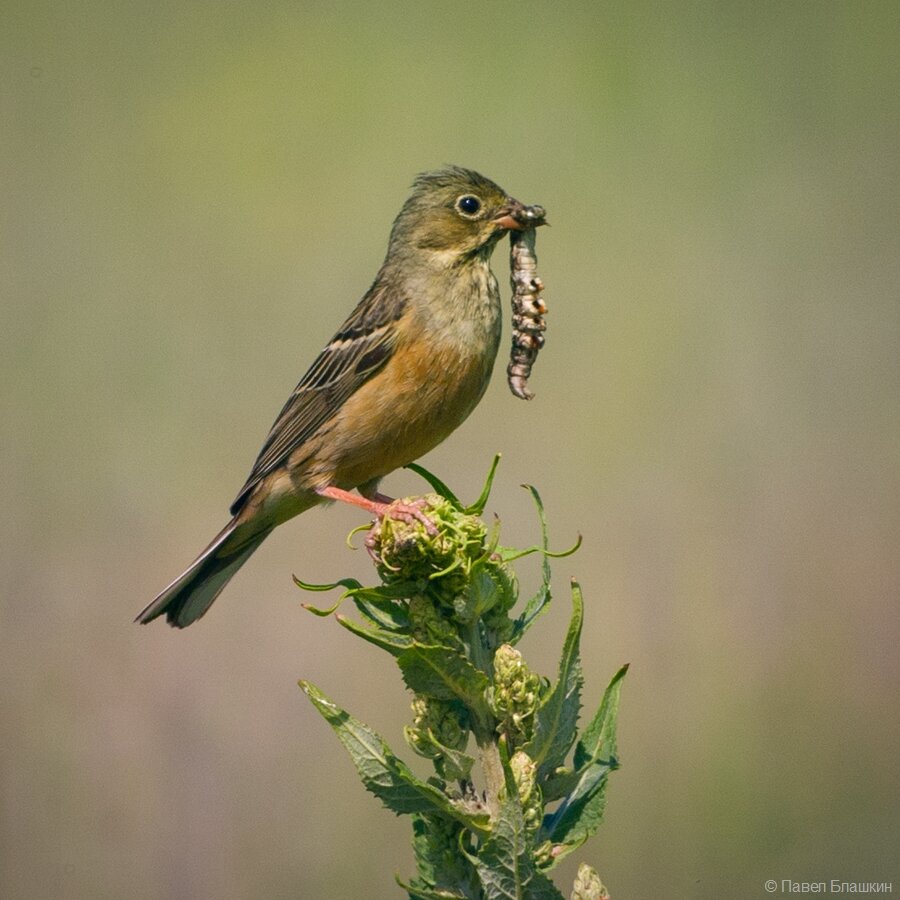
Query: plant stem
[[485, 728]]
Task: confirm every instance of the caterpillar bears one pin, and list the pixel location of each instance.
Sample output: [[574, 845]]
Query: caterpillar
[[528, 323]]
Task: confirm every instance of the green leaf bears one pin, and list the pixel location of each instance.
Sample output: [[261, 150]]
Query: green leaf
[[539, 602], [382, 773], [504, 863], [484, 590], [425, 893], [436, 483], [444, 674], [418, 891], [580, 813], [599, 738], [559, 783], [350, 583], [556, 719], [450, 764], [382, 609], [453, 765], [477, 508], [442, 870], [394, 643], [542, 888]]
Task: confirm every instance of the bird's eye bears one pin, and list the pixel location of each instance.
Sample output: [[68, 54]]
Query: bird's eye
[[468, 205]]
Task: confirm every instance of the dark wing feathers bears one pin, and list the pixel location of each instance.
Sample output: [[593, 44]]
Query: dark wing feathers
[[361, 348]]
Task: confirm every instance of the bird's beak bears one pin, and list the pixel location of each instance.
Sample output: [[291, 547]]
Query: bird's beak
[[515, 216]]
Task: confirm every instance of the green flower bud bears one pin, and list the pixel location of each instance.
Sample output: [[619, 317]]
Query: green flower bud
[[429, 624], [453, 731], [407, 549], [417, 733], [446, 722], [588, 885], [543, 855], [524, 771], [498, 625], [491, 590], [515, 695]]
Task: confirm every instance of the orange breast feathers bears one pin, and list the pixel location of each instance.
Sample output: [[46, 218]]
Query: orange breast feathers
[[407, 409]]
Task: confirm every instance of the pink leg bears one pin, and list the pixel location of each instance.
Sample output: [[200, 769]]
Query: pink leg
[[380, 506]]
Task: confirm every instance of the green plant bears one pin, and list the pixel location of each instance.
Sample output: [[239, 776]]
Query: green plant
[[444, 610]]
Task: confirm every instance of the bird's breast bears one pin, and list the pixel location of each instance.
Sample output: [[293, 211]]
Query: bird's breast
[[439, 370]]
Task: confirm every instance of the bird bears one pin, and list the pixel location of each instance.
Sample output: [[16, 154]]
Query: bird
[[404, 370]]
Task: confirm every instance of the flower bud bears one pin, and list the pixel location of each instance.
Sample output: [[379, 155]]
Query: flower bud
[[429, 624], [516, 694], [446, 722], [588, 885], [417, 548], [524, 772]]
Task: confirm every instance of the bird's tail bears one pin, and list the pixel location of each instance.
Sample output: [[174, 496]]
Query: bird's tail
[[190, 595]]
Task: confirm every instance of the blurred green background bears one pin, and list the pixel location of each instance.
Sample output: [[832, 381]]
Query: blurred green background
[[194, 195]]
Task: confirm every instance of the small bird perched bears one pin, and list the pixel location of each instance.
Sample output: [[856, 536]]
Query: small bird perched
[[406, 368]]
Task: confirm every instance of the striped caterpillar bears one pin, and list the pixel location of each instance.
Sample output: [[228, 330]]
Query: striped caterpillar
[[528, 324]]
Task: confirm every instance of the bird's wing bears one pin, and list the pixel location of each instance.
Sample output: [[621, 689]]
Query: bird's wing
[[361, 348]]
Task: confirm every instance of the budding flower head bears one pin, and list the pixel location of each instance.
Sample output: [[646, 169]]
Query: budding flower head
[[588, 885], [524, 771], [429, 625], [443, 543], [438, 719], [516, 693]]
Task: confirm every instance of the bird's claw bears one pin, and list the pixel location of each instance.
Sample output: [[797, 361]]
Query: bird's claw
[[409, 512]]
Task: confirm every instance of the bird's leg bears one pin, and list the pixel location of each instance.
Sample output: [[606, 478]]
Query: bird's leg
[[381, 505], [380, 498]]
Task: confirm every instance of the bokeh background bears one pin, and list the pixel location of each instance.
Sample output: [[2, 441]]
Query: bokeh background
[[193, 197]]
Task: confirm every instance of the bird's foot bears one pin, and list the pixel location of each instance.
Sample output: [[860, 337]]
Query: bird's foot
[[381, 505]]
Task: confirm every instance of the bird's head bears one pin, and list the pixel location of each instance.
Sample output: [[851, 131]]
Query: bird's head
[[456, 214]]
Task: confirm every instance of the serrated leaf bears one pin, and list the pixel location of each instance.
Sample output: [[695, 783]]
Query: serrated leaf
[[383, 773], [422, 892], [505, 864], [441, 871], [542, 888], [444, 674], [580, 813], [394, 643], [599, 738], [556, 718]]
